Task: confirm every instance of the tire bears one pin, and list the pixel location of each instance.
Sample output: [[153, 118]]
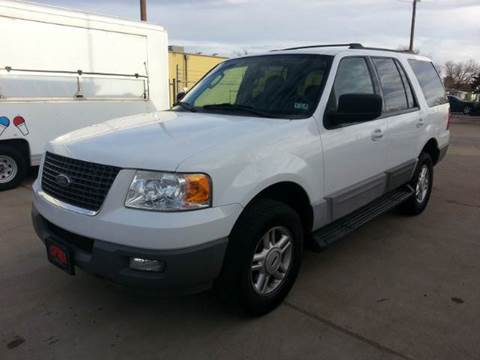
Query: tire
[[241, 285], [467, 110], [422, 190], [13, 167]]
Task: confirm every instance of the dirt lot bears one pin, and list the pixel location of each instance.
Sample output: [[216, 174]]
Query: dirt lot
[[399, 288]]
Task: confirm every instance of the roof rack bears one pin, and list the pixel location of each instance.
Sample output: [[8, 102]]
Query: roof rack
[[356, 46], [350, 46]]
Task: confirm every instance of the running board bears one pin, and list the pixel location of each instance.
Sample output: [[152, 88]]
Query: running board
[[341, 227]]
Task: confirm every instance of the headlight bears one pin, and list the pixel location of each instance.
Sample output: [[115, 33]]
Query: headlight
[[169, 191]]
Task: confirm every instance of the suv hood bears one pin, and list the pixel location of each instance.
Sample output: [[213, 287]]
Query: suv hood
[[156, 141]]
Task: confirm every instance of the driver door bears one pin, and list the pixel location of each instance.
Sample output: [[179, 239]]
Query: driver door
[[355, 153]]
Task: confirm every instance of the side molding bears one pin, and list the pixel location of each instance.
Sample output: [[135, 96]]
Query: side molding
[[346, 201], [400, 175]]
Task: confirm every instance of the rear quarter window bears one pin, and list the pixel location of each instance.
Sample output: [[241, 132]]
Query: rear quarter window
[[430, 82]]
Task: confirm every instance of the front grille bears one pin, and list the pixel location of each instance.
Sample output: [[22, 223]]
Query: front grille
[[89, 182]]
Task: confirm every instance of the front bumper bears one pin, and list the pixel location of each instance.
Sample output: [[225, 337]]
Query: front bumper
[[192, 243], [187, 270], [139, 228]]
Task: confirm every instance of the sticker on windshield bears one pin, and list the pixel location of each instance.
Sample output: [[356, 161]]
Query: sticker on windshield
[[301, 106]]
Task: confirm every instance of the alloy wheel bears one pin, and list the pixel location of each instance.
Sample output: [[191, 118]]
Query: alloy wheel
[[272, 260], [423, 184]]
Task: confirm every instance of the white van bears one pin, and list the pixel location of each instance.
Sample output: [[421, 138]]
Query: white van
[[62, 70]]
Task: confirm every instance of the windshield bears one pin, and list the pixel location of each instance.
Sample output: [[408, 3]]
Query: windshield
[[284, 86]]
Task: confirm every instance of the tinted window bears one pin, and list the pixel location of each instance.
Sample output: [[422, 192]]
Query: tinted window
[[429, 82], [408, 87], [223, 88], [275, 85], [394, 96], [353, 77]]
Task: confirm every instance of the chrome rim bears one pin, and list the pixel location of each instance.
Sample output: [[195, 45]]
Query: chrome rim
[[272, 260], [423, 184], [8, 169]]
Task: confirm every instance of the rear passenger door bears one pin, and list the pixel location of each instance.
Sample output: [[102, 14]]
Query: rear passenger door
[[403, 119]]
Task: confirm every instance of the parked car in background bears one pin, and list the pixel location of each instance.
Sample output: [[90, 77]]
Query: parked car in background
[[463, 106], [266, 152], [62, 70]]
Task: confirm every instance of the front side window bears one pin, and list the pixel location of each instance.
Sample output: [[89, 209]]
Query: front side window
[[430, 82], [394, 95], [353, 77], [284, 86]]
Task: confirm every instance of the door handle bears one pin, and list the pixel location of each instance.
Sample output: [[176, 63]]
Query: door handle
[[377, 135], [420, 123]]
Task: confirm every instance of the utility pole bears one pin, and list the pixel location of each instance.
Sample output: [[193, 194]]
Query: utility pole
[[412, 30], [143, 10]]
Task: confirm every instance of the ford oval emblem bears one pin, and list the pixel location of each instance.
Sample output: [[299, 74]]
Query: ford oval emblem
[[63, 180]]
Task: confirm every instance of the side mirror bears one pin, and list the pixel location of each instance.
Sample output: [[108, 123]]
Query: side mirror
[[181, 95], [354, 108]]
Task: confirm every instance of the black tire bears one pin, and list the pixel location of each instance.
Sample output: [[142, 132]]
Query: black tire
[[417, 203], [13, 167], [235, 285]]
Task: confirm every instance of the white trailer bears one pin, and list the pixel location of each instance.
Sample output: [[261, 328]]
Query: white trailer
[[62, 70]]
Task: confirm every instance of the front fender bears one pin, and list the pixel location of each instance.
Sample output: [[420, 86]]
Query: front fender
[[284, 152], [256, 177]]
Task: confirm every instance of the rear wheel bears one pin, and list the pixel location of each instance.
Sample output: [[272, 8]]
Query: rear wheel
[[263, 257], [422, 184], [13, 167]]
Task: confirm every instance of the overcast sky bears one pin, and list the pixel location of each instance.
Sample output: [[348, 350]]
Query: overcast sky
[[446, 29]]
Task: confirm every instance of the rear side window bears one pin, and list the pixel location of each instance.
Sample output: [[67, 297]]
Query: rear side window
[[394, 93], [430, 82], [412, 103]]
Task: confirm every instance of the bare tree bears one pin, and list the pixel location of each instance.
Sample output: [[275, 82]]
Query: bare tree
[[476, 83], [460, 75]]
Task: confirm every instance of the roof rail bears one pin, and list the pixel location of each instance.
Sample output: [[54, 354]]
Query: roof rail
[[350, 46], [386, 49], [356, 46]]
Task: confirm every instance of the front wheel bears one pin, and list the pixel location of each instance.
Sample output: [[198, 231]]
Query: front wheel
[[422, 184], [263, 257]]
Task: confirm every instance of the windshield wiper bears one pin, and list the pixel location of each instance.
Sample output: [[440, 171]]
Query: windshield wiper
[[186, 106], [238, 107]]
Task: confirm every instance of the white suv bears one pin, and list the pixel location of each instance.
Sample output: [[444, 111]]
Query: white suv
[[266, 153]]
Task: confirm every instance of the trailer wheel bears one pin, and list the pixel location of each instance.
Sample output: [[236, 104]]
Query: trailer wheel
[[13, 167]]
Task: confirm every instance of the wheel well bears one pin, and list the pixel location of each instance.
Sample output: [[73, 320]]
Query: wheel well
[[19, 144], [431, 148], [294, 196]]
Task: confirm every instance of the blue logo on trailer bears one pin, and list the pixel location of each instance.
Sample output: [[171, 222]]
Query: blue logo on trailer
[[4, 123]]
